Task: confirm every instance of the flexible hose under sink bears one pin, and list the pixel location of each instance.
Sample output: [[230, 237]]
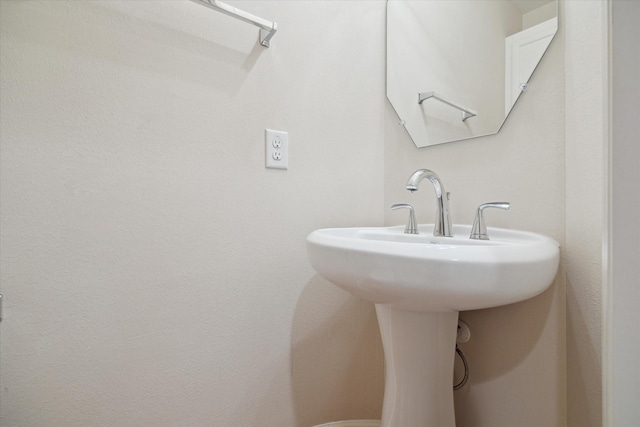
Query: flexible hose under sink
[[466, 370]]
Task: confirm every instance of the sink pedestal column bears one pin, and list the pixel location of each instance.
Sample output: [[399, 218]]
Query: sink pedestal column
[[419, 352]]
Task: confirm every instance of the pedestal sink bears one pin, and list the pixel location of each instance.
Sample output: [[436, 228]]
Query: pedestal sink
[[419, 283]]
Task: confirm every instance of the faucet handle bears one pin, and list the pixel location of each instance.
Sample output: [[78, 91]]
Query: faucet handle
[[411, 227], [479, 229]]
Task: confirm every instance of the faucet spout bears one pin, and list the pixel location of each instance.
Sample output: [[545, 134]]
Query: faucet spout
[[442, 225]]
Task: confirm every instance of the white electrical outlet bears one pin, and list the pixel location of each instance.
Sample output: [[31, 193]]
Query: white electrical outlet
[[276, 144]]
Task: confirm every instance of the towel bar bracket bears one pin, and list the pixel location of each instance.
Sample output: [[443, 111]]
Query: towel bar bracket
[[267, 35], [267, 28]]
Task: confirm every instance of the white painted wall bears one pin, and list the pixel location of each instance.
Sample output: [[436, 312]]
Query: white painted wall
[[154, 273], [586, 142], [622, 342]]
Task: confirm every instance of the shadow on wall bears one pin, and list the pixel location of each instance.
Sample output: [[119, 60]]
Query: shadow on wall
[[337, 358], [183, 32], [338, 361], [587, 363], [501, 339]]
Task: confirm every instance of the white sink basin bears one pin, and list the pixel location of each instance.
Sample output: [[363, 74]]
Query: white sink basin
[[435, 274], [419, 283]]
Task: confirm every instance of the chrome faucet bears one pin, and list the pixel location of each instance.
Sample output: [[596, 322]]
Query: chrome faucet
[[479, 229], [442, 226]]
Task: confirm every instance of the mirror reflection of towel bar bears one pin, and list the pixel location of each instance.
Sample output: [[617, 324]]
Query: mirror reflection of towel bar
[[466, 113]]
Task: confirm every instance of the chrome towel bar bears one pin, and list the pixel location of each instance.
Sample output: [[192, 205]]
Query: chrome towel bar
[[267, 28], [466, 113]]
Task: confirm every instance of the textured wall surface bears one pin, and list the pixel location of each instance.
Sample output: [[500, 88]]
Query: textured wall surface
[[586, 133], [154, 272], [623, 342]]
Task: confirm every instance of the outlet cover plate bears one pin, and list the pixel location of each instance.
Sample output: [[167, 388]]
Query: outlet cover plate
[[276, 149]]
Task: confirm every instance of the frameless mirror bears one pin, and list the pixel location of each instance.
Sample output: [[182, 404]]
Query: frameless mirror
[[456, 68]]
